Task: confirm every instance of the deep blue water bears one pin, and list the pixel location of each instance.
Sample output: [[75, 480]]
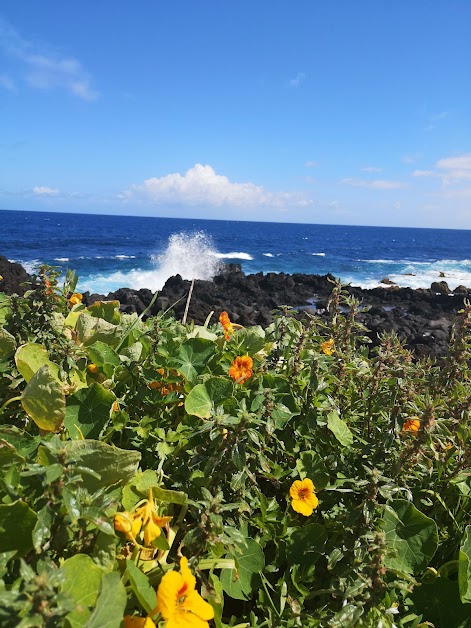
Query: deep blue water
[[109, 252]]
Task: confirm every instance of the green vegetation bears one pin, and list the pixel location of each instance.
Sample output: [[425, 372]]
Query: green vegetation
[[126, 444]]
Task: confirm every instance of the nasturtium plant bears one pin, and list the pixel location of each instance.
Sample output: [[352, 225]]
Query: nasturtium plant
[[154, 471]]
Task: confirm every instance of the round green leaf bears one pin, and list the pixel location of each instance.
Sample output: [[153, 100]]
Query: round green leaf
[[30, 357], [7, 344], [241, 582], [199, 402], [17, 522], [44, 401], [411, 537]]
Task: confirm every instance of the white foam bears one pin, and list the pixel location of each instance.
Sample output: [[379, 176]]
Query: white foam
[[61, 259], [124, 257], [268, 255], [319, 254], [233, 255], [191, 255]]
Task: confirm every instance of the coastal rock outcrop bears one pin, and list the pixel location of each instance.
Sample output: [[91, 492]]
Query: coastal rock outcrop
[[422, 318], [14, 278]]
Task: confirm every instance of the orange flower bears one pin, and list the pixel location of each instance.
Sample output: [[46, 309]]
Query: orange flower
[[115, 406], [328, 346], [75, 299], [304, 499], [228, 327], [178, 601], [93, 368], [411, 425], [241, 369]]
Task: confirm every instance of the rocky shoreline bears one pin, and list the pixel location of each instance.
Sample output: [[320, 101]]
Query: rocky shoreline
[[421, 317]]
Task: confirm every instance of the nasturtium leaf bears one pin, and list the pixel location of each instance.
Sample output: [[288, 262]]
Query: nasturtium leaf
[[133, 353], [240, 583], [5, 308], [439, 603], [202, 332], [111, 603], [219, 389], [112, 464], [305, 544], [250, 341], [24, 442], [7, 344], [464, 566], [169, 496], [104, 356], [411, 537], [17, 522], [106, 310], [88, 411], [141, 586], [43, 400], [72, 318], [198, 402], [310, 465], [29, 358], [81, 581], [8, 456], [192, 357], [339, 429], [91, 329]]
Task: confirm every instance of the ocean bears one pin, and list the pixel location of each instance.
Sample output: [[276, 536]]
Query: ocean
[[111, 252]]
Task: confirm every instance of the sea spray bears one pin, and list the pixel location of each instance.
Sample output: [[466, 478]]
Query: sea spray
[[189, 254]]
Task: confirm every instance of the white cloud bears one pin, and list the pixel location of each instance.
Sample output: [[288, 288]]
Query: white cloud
[[40, 190], [451, 170], [423, 173], [378, 184], [46, 69], [297, 80], [311, 164], [455, 169], [372, 169], [202, 186]]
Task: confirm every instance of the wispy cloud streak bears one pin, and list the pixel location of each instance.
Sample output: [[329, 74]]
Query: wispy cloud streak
[[45, 69]]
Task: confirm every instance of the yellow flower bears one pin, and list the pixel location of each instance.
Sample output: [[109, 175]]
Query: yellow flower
[[328, 346], [411, 425], [138, 622], [1, 277], [241, 368], [303, 497], [228, 327], [145, 517], [115, 406], [151, 521], [93, 368], [179, 603], [127, 524], [75, 299]]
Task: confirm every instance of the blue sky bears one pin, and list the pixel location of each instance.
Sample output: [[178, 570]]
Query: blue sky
[[335, 112]]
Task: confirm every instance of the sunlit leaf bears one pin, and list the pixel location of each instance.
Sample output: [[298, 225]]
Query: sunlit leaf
[[44, 401]]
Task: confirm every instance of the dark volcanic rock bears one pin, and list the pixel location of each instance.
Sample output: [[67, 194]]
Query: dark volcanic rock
[[15, 280], [422, 318]]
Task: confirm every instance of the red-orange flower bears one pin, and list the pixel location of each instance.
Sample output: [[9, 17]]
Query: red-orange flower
[[229, 328], [241, 368], [411, 425]]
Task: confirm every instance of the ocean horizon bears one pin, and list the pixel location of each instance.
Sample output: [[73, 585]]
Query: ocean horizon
[[113, 251]]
